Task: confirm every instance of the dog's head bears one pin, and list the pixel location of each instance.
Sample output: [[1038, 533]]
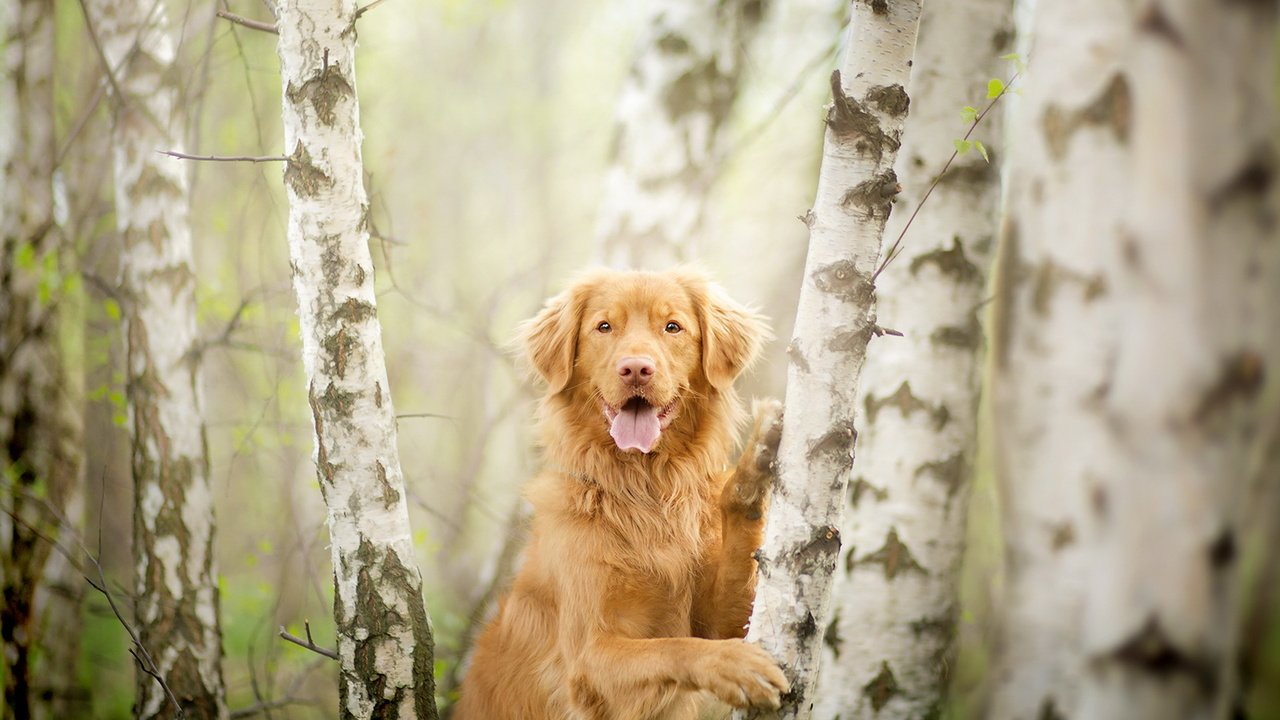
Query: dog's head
[[639, 349]]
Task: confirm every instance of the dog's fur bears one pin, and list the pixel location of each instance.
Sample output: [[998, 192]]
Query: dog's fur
[[638, 579]]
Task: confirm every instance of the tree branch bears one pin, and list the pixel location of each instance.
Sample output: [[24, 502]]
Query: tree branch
[[225, 158], [308, 643], [251, 23]]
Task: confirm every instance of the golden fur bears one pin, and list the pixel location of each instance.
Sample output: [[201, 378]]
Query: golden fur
[[638, 579]]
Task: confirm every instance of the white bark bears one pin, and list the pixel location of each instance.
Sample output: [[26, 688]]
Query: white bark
[[669, 130], [176, 573], [1136, 332], [888, 648], [384, 634], [836, 318]]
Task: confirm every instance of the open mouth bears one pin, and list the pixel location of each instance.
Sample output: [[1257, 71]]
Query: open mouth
[[637, 424]]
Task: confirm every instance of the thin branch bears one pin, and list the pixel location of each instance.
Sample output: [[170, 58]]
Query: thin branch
[[248, 22], [307, 643], [267, 706], [366, 8], [225, 158], [80, 124], [896, 248], [424, 415]]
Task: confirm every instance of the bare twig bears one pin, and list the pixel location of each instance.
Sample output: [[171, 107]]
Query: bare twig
[[366, 8], [882, 331], [249, 22], [267, 706], [424, 415], [896, 248], [80, 124], [225, 158], [307, 643]]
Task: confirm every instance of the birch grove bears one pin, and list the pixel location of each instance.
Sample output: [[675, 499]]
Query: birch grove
[[1136, 335], [670, 128], [835, 320], [175, 570], [889, 646], [40, 450], [384, 639]]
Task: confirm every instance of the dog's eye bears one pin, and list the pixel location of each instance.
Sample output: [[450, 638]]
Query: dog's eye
[[673, 327], [604, 327]]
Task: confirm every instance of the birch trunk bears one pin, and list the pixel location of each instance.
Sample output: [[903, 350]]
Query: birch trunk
[[40, 428], [1136, 337], [384, 635], [669, 129], [173, 529], [889, 645], [835, 320]]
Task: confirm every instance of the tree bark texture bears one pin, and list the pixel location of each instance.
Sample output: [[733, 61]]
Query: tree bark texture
[[1135, 340], [384, 633], [173, 530], [889, 645], [669, 130], [40, 427], [835, 320]]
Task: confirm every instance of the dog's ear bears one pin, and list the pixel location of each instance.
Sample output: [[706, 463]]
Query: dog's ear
[[732, 334], [550, 338]]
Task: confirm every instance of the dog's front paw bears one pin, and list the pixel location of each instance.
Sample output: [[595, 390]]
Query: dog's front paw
[[766, 432], [752, 479], [742, 675]]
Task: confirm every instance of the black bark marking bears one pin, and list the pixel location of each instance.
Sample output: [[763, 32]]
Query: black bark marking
[[860, 486], [1049, 710], [337, 401], [1253, 180], [1049, 276], [942, 626], [850, 559], [890, 99], [835, 445], [1063, 535], [353, 310], [882, 687], [303, 176], [1151, 650], [338, 346], [1113, 109], [851, 121], [879, 7], [875, 196], [1155, 21], [895, 556], [377, 394], [964, 337], [831, 638], [324, 90], [848, 341], [843, 279], [976, 174], [672, 43], [951, 472], [1222, 552], [1240, 379], [701, 88], [951, 262], [331, 260], [906, 402], [390, 496], [797, 357], [326, 469]]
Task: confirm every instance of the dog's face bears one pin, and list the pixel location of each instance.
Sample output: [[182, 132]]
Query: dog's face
[[638, 349]]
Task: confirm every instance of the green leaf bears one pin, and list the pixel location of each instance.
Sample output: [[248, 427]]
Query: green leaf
[[982, 149], [969, 114], [25, 258], [995, 87], [113, 309], [119, 419], [962, 146]]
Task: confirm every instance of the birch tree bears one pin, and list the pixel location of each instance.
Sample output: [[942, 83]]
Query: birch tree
[[835, 320], [889, 644], [175, 582], [39, 424], [1139, 276], [669, 130], [384, 635]]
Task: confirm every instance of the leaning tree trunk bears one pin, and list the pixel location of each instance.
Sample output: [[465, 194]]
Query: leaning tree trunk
[[835, 320], [39, 424], [173, 528], [888, 648], [1136, 335], [384, 635], [669, 130]]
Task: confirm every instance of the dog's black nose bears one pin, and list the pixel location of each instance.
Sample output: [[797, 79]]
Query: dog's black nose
[[636, 370]]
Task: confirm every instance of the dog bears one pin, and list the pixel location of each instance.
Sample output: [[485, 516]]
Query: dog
[[638, 579]]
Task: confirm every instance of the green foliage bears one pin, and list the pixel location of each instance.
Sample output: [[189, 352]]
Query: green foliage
[[995, 88]]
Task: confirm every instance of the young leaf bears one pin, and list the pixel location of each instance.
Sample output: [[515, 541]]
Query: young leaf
[[995, 86], [963, 146], [982, 149], [969, 114]]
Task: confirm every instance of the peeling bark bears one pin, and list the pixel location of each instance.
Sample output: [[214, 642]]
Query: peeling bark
[[173, 531], [384, 638], [669, 132], [897, 602], [1138, 290], [802, 538], [40, 428]]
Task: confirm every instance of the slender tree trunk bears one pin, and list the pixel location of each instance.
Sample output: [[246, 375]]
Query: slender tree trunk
[[1136, 339], [175, 574], [835, 320], [40, 427], [384, 634], [889, 645], [671, 116]]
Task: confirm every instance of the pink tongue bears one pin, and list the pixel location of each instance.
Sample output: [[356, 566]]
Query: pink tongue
[[636, 426]]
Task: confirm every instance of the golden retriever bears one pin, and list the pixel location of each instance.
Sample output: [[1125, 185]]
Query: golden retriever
[[638, 579]]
